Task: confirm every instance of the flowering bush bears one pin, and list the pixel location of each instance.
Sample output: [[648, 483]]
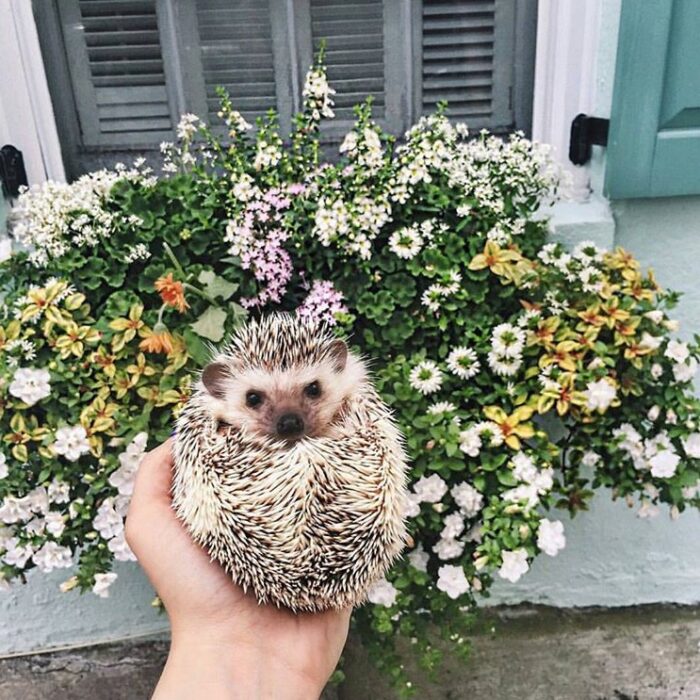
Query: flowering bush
[[523, 375]]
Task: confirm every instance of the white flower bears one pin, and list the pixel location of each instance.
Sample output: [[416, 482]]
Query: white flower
[[411, 508], [52, 556], [599, 395], [504, 365], [647, 509], [454, 526], [544, 480], [470, 441], [426, 377], [452, 581], [119, 547], [463, 362], [468, 499], [430, 489], [55, 524], [590, 458], [685, 371], [59, 492], [653, 413], [419, 558], [508, 340], [30, 385], [673, 325], [663, 464], [651, 341], [677, 351], [4, 471], [525, 492], [441, 407], [382, 593], [524, 468], [691, 445], [102, 584], [187, 126], [448, 548], [514, 565], [656, 315], [15, 510], [405, 242], [656, 370], [123, 478], [550, 536], [71, 442], [107, 521], [16, 554]]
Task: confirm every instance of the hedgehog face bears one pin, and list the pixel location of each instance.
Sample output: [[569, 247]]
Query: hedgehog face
[[287, 404]]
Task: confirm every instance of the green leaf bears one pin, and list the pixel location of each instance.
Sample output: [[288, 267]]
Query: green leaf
[[216, 286], [210, 324], [239, 313]]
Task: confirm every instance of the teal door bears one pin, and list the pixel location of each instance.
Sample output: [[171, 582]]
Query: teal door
[[654, 141]]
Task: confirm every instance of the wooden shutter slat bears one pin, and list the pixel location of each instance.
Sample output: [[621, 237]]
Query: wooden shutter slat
[[97, 8], [120, 23], [115, 96], [450, 9], [129, 126]]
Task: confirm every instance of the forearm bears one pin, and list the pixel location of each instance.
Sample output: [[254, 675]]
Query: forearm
[[195, 671]]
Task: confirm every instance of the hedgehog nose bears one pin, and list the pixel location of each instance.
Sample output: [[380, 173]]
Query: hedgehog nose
[[290, 424]]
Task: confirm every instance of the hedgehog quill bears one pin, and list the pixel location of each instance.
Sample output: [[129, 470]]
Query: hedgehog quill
[[289, 468]]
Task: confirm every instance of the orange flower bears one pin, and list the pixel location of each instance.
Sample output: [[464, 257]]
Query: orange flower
[[157, 341], [171, 292]]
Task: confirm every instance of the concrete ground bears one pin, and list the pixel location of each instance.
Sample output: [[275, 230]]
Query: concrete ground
[[525, 653]]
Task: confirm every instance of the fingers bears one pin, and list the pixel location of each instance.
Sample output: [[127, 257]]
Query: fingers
[[151, 490], [155, 474]]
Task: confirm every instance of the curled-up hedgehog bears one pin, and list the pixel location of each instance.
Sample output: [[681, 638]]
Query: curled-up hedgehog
[[289, 468]]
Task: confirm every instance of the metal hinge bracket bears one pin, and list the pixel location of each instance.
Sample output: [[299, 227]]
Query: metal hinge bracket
[[586, 132]]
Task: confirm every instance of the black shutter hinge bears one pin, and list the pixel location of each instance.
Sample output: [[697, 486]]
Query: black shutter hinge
[[12, 172], [586, 132]]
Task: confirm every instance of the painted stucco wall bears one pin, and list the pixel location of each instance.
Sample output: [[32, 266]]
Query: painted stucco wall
[[612, 558]]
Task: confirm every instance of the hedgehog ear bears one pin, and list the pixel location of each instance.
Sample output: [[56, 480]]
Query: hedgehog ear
[[338, 352], [214, 379]]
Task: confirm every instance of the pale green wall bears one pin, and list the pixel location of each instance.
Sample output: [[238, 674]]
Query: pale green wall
[[612, 558]]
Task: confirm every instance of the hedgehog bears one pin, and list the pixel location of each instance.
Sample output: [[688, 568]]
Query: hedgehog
[[289, 468]]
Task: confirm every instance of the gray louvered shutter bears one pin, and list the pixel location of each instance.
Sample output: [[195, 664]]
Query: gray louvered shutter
[[354, 36], [117, 71], [236, 48], [468, 56]]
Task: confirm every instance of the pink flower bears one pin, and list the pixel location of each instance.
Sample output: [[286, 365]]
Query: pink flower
[[323, 302]]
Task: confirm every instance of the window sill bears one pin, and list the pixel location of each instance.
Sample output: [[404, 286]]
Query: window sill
[[572, 222]]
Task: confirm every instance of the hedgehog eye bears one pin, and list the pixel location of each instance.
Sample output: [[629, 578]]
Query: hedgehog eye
[[313, 390], [253, 399]]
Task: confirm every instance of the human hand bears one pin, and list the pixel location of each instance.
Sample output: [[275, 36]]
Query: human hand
[[224, 644]]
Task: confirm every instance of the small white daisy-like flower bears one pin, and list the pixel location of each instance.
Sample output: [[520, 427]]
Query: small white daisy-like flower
[[426, 377], [463, 362], [406, 242], [503, 365]]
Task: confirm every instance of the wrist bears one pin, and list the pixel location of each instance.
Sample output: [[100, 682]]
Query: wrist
[[205, 664]]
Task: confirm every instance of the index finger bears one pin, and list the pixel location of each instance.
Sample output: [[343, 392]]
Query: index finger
[[154, 476]]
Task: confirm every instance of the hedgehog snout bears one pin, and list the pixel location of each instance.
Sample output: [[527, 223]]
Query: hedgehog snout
[[290, 425]]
